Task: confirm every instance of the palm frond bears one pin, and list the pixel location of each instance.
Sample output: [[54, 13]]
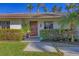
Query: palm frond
[[64, 22]]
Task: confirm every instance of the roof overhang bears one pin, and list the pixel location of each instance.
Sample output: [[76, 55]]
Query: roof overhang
[[30, 15]]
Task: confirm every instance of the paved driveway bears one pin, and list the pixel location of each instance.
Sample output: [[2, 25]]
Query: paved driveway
[[70, 51]]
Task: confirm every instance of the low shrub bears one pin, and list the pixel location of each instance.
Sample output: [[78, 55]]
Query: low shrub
[[54, 35], [11, 34], [48, 34]]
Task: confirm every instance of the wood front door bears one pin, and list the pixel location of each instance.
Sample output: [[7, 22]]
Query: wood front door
[[34, 28]]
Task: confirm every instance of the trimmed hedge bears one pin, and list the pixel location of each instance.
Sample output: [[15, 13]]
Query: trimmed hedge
[[11, 34], [54, 35], [46, 34]]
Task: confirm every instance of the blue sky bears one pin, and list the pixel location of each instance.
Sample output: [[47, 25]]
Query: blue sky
[[21, 7]]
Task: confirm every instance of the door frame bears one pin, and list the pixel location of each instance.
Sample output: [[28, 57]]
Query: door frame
[[37, 27]]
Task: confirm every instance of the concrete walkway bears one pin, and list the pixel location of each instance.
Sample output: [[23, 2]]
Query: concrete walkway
[[40, 47]]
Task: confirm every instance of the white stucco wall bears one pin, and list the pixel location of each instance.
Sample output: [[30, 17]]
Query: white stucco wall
[[40, 26], [56, 25], [15, 24]]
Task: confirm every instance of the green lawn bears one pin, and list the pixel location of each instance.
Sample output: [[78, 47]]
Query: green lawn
[[16, 49]]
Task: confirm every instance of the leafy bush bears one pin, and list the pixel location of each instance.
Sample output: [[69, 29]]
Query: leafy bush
[[48, 34], [54, 34], [11, 34]]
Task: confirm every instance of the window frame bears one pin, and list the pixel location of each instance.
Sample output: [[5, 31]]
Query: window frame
[[5, 24], [48, 25]]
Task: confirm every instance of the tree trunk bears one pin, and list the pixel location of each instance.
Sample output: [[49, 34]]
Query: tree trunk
[[72, 31], [72, 38]]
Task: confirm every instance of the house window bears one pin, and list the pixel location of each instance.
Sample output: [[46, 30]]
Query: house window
[[4, 24], [48, 25]]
